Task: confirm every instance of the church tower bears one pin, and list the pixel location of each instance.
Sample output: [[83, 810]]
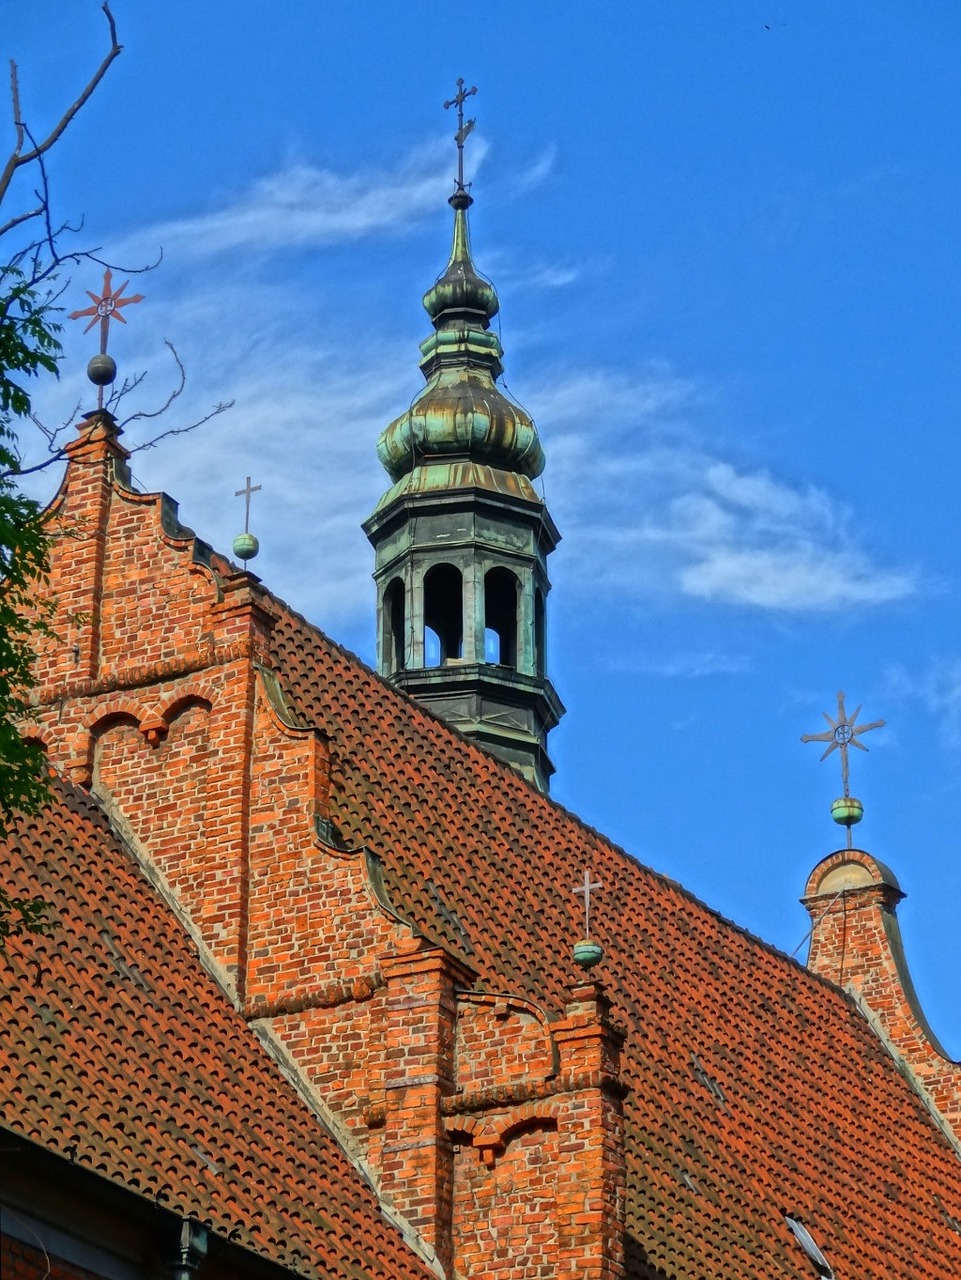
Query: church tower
[[461, 538]]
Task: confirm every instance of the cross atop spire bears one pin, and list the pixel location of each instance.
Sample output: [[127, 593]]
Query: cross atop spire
[[464, 127], [245, 493], [841, 734], [105, 306]]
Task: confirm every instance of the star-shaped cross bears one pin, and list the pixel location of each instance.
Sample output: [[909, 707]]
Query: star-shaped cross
[[106, 307], [843, 733]]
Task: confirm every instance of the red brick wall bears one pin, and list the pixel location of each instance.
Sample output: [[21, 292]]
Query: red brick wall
[[499, 1040], [162, 793], [342, 1052], [506, 1221], [19, 1261]]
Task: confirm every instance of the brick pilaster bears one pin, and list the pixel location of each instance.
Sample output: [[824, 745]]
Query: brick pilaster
[[417, 1159], [591, 1174], [80, 515]]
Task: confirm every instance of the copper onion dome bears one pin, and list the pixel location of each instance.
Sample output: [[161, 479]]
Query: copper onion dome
[[461, 413]]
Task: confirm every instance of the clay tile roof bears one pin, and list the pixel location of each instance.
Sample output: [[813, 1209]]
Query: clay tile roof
[[120, 1052], [756, 1088]]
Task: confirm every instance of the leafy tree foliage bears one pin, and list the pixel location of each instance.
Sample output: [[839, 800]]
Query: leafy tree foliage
[[29, 347]]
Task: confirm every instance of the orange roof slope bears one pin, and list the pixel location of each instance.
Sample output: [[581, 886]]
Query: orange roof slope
[[120, 1052], [756, 1088]]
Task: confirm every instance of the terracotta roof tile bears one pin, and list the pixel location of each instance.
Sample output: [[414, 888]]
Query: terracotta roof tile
[[121, 1053], [756, 1088]]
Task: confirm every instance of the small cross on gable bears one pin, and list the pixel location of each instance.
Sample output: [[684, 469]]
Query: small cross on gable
[[584, 890]]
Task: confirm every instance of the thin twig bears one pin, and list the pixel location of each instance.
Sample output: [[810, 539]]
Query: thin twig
[[18, 158]]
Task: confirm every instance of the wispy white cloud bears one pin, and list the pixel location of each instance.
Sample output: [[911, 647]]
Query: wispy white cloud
[[304, 205], [938, 689], [650, 513], [537, 275], [647, 511], [304, 425], [690, 666], [537, 171]]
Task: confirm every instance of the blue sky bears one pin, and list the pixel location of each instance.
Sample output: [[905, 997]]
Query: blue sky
[[725, 243]]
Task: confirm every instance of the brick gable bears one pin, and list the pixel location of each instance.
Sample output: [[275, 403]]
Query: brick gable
[[392, 907]]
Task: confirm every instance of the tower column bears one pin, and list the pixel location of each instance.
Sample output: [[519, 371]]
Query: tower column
[[525, 629], [473, 596], [415, 600]]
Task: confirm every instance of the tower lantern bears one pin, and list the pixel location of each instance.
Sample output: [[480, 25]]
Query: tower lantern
[[461, 538]]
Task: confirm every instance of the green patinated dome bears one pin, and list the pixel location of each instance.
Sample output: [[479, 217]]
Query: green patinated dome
[[460, 288], [461, 412]]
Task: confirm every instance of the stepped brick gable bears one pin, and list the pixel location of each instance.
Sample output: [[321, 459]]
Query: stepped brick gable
[[856, 942], [390, 909]]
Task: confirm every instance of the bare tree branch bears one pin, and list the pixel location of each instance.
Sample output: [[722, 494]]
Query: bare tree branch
[[37, 263], [18, 157], [221, 407], [57, 452], [143, 414], [21, 217], [174, 395]]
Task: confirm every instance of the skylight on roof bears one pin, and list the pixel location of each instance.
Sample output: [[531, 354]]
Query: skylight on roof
[[806, 1241]]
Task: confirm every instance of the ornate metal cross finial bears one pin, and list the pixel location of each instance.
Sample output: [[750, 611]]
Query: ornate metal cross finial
[[584, 890], [464, 128], [841, 734], [245, 493], [106, 307]]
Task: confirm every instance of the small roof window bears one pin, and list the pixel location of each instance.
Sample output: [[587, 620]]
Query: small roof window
[[806, 1241]]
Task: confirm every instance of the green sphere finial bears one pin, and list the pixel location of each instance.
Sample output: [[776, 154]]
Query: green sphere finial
[[246, 546], [588, 953], [847, 811]]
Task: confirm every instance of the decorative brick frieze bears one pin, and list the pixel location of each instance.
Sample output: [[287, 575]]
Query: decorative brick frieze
[[500, 1038], [350, 991], [190, 662], [856, 942]]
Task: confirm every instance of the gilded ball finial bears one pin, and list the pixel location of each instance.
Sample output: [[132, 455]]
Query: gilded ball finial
[[847, 811]]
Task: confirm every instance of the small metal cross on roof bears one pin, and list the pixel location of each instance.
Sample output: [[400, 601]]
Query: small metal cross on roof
[[464, 128], [585, 891], [245, 493], [106, 307], [842, 733]]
